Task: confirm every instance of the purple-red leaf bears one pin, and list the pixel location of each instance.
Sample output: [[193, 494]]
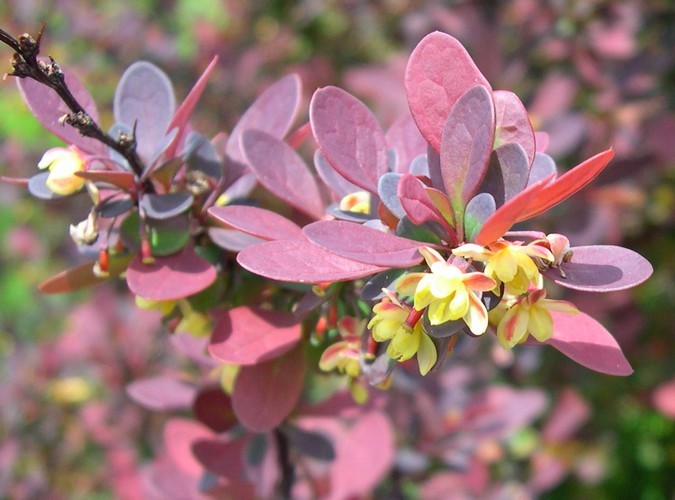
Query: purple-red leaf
[[272, 112], [144, 99], [512, 123], [364, 244], [167, 205], [542, 167], [256, 222], [439, 71], [266, 393], [301, 261], [507, 173], [213, 408], [478, 210], [405, 138], [37, 186], [161, 393], [247, 335], [417, 203], [567, 184], [387, 191], [281, 170], [49, 108], [170, 278], [232, 239], [584, 340], [466, 145], [349, 137], [82, 276], [338, 184], [602, 268]]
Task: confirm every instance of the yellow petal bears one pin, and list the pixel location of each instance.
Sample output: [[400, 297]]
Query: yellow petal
[[540, 324], [476, 317], [513, 326], [426, 355]]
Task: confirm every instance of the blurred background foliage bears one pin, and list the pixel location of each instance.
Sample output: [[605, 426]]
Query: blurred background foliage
[[593, 74]]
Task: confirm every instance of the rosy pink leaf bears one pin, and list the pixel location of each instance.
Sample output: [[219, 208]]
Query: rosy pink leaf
[[213, 407], [221, 456], [349, 136], [602, 268], [182, 116], [439, 71], [364, 244], [466, 145], [569, 413], [266, 393], [338, 184], [179, 434], [567, 184], [82, 276], [281, 170], [513, 123], [301, 261], [507, 215], [663, 398], [584, 340], [404, 137], [256, 222], [507, 174], [248, 335], [169, 278], [273, 112], [48, 108], [232, 239], [161, 393]]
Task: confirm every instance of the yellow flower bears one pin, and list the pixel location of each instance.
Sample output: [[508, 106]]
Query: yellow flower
[[448, 292], [508, 262], [63, 163], [530, 315], [344, 354], [391, 323], [356, 202]]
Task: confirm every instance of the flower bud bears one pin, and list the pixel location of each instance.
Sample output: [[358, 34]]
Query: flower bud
[[86, 232], [63, 163]]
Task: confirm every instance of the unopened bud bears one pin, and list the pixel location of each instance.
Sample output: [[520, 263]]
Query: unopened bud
[[86, 232]]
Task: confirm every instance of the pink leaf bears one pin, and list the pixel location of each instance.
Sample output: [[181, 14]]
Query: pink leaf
[[272, 112], [417, 203], [247, 335], [213, 407], [364, 244], [405, 138], [349, 137], [82, 276], [179, 434], [266, 393], [570, 413], [161, 393], [513, 123], [466, 145], [301, 261], [48, 108], [123, 180], [256, 222], [439, 71], [223, 457], [602, 268], [584, 340], [567, 184], [281, 170], [169, 278], [182, 116], [663, 398]]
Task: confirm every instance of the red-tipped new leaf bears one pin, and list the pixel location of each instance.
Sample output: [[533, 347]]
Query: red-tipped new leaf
[[82, 276], [417, 203]]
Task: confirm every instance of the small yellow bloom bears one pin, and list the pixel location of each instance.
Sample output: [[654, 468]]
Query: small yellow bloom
[[344, 354], [193, 322], [356, 202], [389, 323], [86, 232], [163, 306], [63, 163], [508, 262], [447, 292], [530, 315]]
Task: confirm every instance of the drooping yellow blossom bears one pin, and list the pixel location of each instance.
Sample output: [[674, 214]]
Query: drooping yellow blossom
[[63, 163], [389, 323], [163, 306], [344, 354], [530, 315], [193, 322], [508, 262], [447, 292]]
